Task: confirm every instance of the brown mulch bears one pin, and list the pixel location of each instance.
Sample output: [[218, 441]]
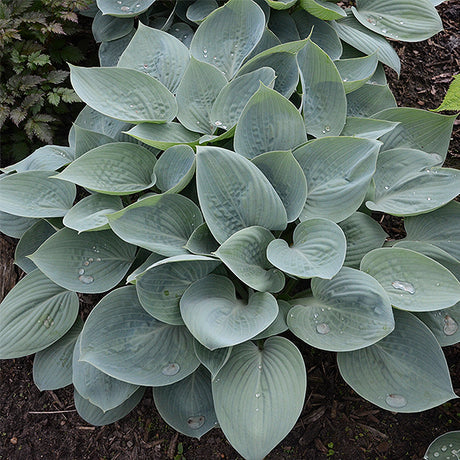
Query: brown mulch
[[336, 423]]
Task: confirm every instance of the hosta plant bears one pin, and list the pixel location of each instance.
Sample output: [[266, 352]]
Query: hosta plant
[[220, 188]]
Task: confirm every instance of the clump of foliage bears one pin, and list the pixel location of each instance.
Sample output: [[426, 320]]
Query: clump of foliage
[[34, 48], [228, 163]]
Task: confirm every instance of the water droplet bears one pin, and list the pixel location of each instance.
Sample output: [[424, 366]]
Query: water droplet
[[146, 66], [327, 128], [404, 286], [171, 369], [85, 263], [396, 401], [323, 131], [259, 367], [215, 58], [386, 187], [257, 395], [323, 329], [124, 8], [138, 5], [98, 259], [85, 279], [401, 22], [345, 79], [131, 106], [384, 31], [451, 445], [257, 409], [119, 2], [81, 271], [48, 322], [444, 448], [195, 422], [450, 325], [90, 260], [436, 454]]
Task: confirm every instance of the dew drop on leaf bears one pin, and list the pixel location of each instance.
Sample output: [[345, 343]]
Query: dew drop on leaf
[[195, 422], [450, 325], [81, 271], [404, 286], [171, 369], [85, 279], [396, 401], [124, 8], [323, 329]]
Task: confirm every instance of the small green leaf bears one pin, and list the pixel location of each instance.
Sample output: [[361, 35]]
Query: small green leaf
[[244, 254], [404, 372], [35, 314], [159, 223], [348, 312], [268, 385], [158, 54], [121, 339], [217, 319], [323, 100], [119, 168], [268, 122], [89, 214], [234, 194], [162, 284], [124, 94], [35, 194], [53, 365], [413, 281], [405, 20], [451, 100], [89, 262], [318, 250], [188, 405], [228, 35]]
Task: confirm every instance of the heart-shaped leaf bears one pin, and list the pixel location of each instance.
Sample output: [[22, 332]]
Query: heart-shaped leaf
[[161, 285], [369, 100], [89, 262], [318, 250], [406, 20], [35, 314], [338, 172], [30, 242], [163, 136], [98, 388], [282, 59], [158, 54], [35, 194], [404, 372], [319, 31], [413, 281], [196, 94], [118, 168], [15, 226], [418, 129], [244, 254], [53, 365], [121, 339], [268, 122], [86, 140], [426, 228], [106, 28], [188, 405], [285, 174], [228, 35], [159, 223], [355, 34], [199, 9], [356, 71], [124, 94], [110, 52], [89, 214], [363, 234], [348, 312], [367, 127], [324, 102], [96, 416], [233, 97], [217, 319], [268, 385], [234, 194], [213, 360], [175, 168], [443, 324]]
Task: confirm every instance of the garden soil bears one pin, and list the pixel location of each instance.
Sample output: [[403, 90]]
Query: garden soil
[[335, 423]]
